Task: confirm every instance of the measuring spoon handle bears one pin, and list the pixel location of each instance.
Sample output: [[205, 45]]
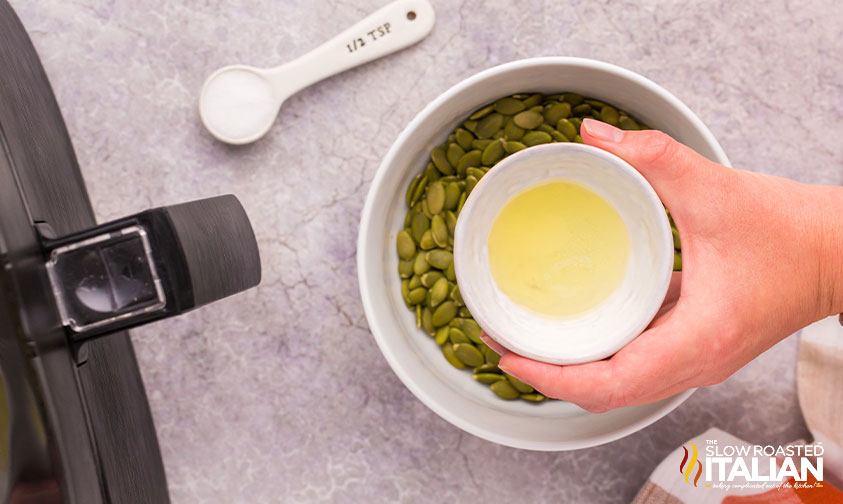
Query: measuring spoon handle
[[395, 26]]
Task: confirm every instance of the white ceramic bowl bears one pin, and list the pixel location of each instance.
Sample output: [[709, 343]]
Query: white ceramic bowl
[[414, 357], [596, 333]]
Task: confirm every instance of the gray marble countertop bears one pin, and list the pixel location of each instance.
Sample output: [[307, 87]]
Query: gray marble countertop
[[280, 393]]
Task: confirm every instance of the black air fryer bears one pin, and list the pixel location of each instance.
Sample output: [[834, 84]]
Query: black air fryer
[[75, 425]]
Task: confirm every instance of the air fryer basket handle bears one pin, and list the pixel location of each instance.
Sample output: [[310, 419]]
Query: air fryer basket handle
[[152, 265]]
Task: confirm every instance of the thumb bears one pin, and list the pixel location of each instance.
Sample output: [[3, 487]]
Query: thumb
[[680, 176]]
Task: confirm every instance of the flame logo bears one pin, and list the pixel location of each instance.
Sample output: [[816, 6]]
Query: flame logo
[[687, 470]]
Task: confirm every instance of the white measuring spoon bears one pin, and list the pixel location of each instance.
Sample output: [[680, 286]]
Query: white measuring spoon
[[238, 103]]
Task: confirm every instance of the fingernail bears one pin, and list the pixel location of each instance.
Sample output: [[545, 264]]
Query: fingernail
[[602, 131]]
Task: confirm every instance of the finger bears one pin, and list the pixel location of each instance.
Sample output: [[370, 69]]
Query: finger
[[494, 345], [673, 289], [651, 366], [675, 171]]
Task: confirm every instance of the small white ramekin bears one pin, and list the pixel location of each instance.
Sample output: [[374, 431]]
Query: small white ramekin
[[604, 329]]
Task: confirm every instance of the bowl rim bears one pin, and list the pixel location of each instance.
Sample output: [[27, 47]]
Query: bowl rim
[[648, 310], [363, 251]]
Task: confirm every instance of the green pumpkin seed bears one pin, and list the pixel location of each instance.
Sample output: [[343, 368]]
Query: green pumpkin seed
[[487, 377], [426, 209], [463, 196], [418, 316], [557, 111], [487, 368], [463, 312], [448, 352], [558, 137], [676, 244], [416, 296], [535, 138], [412, 189], [427, 320], [470, 182], [470, 159], [533, 100], [512, 147], [520, 386], [444, 313], [528, 120], [504, 390], [452, 196], [609, 115], [419, 190], [470, 125], [677, 261], [456, 296], [440, 160], [405, 245], [464, 138], [468, 354], [492, 357], [405, 293], [535, 397], [439, 258], [405, 268], [578, 139], [627, 123], [475, 172], [469, 327], [512, 131], [573, 98], [415, 281], [482, 112], [450, 274], [481, 144], [431, 172], [492, 153], [426, 242], [509, 106], [430, 278], [454, 153], [436, 197], [595, 103], [420, 266], [451, 222], [438, 293], [489, 125], [456, 336], [419, 225], [442, 335], [567, 128], [439, 230], [582, 109]]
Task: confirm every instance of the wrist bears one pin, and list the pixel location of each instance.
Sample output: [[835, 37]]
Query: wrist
[[827, 249]]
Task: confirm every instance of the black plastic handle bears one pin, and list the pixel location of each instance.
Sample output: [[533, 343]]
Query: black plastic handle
[[152, 265]]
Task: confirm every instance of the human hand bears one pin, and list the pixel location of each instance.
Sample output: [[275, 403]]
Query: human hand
[[759, 262]]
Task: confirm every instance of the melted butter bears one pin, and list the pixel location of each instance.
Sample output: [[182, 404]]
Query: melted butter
[[558, 249]]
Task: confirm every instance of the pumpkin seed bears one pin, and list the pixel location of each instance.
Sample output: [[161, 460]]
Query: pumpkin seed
[[415, 282], [627, 123], [504, 390], [509, 106], [529, 119], [492, 153], [452, 196], [439, 231], [533, 100], [405, 245], [489, 125], [419, 225], [463, 196], [440, 160], [578, 139], [418, 191], [405, 269], [420, 266], [470, 182], [487, 377], [609, 115], [442, 335], [457, 336], [512, 147], [492, 357], [430, 278], [427, 320], [468, 354], [482, 112], [512, 131], [582, 109], [436, 197], [595, 103], [573, 98], [439, 258], [416, 296], [438, 293], [451, 222], [464, 138], [535, 138], [412, 189], [476, 172], [470, 125], [471, 158], [676, 244], [535, 397], [456, 296], [418, 316], [487, 368], [677, 261], [444, 313], [448, 352], [450, 274], [557, 111], [405, 293], [426, 242], [520, 386]]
